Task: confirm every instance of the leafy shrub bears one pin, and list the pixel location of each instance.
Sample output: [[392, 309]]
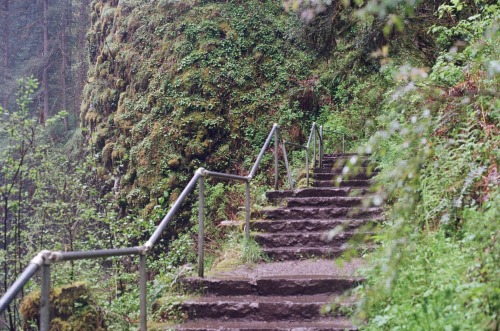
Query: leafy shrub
[[439, 160]]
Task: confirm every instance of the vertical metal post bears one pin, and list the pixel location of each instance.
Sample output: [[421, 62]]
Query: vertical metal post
[[314, 145], [307, 167], [247, 210], [276, 159], [321, 146], [287, 165], [142, 292], [45, 298], [343, 143], [201, 198]]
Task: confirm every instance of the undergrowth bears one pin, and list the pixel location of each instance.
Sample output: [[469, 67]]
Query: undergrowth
[[443, 282], [236, 251], [438, 151]]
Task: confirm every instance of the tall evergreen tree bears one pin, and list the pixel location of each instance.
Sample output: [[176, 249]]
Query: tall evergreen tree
[[6, 41], [46, 40]]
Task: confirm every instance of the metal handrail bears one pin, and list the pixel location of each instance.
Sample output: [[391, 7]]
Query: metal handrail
[[312, 136], [44, 259], [343, 136]]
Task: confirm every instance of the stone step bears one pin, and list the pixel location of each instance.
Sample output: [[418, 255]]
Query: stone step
[[333, 177], [260, 308], [324, 201], [317, 213], [301, 253], [340, 162], [350, 183], [269, 286], [316, 192], [324, 324], [306, 239], [285, 225], [309, 192], [345, 155], [329, 170]]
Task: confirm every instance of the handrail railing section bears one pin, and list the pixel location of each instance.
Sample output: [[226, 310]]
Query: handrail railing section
[[44, 259]]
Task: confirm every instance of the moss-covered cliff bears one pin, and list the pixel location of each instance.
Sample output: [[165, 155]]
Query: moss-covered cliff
[[177, 85]]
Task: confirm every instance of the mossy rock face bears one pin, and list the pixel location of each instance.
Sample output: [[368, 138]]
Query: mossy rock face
[[201, 81], [71, 309]]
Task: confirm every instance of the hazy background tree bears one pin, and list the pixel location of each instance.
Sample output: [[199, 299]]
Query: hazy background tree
[[46, 40]]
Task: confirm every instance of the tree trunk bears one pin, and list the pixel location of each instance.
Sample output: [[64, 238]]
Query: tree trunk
[[45, 56], [5, 247], [6, 50], [83, 20], [64, 64]]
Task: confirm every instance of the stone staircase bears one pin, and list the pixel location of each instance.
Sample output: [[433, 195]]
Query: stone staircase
[[290, 292]]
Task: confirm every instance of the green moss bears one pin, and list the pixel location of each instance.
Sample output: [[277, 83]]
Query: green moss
[[71, 309], [167, 309], [173, 163]]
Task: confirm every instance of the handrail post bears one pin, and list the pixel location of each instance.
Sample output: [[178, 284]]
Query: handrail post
[[307, 167], [343, 143], [45, 294], [321, 146], [201, 198], [142, 292], [286, 163], [247, 210], [314, 145], [276, 159]]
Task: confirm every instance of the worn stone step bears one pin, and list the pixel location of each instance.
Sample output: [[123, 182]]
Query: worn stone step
[[345, 155], [268, 286], [333, 177], [351, 183], [309, 192], [302, 253], [340, 162], [324, 324], [316, 192], [317, 213], [306, 239], [286, 225], [338, 170], [324, 201], [260, 308]]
